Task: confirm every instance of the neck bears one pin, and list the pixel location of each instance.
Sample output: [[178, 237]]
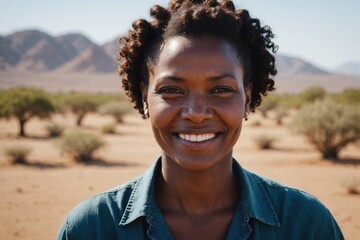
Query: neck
[[196, 192]]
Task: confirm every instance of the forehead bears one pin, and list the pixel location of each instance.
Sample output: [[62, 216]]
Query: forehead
[[196, 52], [180, 45]]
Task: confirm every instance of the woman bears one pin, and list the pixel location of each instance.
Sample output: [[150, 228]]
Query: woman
[[196, 71]]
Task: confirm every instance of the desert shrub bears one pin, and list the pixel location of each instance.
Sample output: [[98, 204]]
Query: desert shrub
[[17, 154], [108, 128], [103, 98], [269, 103], [352, 186], [116, 109], [296, 101], [80, 104], [328, 125], [312, 94], [256, 123], [348, 96], [80, 145], [290, 101], [264, 141], [25, 103], [280, 114], [54, 129], [59, 101]]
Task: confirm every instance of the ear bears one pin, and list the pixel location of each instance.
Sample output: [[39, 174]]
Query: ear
[[248, 92]]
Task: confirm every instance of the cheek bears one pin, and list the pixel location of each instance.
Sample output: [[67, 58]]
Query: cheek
[[232, 113], [161, 113]]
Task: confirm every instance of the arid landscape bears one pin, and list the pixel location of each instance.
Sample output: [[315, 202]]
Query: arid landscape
[[36, 197]]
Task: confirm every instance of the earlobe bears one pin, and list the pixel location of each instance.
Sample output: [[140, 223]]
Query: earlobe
[[248, 92], [144, 92]]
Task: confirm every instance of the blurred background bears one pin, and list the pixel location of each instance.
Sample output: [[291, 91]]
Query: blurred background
[[68, 132]]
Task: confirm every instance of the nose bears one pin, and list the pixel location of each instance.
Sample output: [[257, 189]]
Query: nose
[[196, 108]]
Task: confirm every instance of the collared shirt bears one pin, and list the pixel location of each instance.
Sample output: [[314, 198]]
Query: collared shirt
[[266, 210]]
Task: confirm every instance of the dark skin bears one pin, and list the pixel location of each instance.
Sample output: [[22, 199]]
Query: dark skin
[[197, 101]]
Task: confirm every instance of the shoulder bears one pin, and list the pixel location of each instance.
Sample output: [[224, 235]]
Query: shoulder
[[111, 199], [103, 209], [297, 210], [280, 194]]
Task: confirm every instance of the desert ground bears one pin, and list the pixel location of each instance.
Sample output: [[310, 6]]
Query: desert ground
[[36, 197]]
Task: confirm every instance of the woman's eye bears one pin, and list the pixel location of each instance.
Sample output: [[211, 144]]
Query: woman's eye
[[170, 91], [222, 90]]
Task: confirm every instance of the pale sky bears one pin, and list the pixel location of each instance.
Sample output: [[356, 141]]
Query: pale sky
[[326, 33]]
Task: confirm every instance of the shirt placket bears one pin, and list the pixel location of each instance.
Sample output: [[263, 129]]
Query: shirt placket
[[158, 229]]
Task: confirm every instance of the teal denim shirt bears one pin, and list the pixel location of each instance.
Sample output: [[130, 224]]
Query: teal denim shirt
[[266, 210]]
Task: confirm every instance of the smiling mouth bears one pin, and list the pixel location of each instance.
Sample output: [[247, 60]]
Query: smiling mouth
[[197, 137]]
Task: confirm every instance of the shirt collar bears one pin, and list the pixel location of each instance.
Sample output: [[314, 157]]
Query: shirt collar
[[142, 199], [254, 202]]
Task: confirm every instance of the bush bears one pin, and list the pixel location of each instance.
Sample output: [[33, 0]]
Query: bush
[[328, 125], [264, 141], [290, 101], [280, 115], [348, 96], [80, 104], [81, 146], [296, 101], [256, 123], [353, 186], [59, 101], [24, 103], [103, 98], [54, 129], [269, 103], [312, 94], [17, 154], [116, 109], [108, 128]]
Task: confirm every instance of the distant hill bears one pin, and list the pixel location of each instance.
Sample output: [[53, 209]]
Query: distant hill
[[33, 50], [37, 51], [295, 66], [79, 42], [92, 59], [112, 48], [349, 68]]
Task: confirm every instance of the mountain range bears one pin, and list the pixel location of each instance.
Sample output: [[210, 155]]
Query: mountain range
[[34, 51]]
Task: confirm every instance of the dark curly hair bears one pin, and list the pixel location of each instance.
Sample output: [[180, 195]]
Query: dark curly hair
[[198, 18]]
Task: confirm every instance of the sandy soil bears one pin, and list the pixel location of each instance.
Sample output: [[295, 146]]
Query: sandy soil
[[35, 198]]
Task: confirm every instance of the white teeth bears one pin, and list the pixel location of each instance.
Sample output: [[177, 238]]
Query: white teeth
[[197, 138]]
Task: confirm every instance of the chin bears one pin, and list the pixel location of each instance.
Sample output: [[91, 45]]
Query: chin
[[195, 166], [198, 162]]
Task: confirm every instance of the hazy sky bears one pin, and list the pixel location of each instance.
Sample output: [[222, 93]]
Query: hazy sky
[[326, 33]]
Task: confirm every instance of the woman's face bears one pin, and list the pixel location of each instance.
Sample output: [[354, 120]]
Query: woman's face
[[196, 100]]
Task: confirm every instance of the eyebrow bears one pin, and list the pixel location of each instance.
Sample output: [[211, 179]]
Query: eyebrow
[[179, 79], [222, 76], [171, 78]]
